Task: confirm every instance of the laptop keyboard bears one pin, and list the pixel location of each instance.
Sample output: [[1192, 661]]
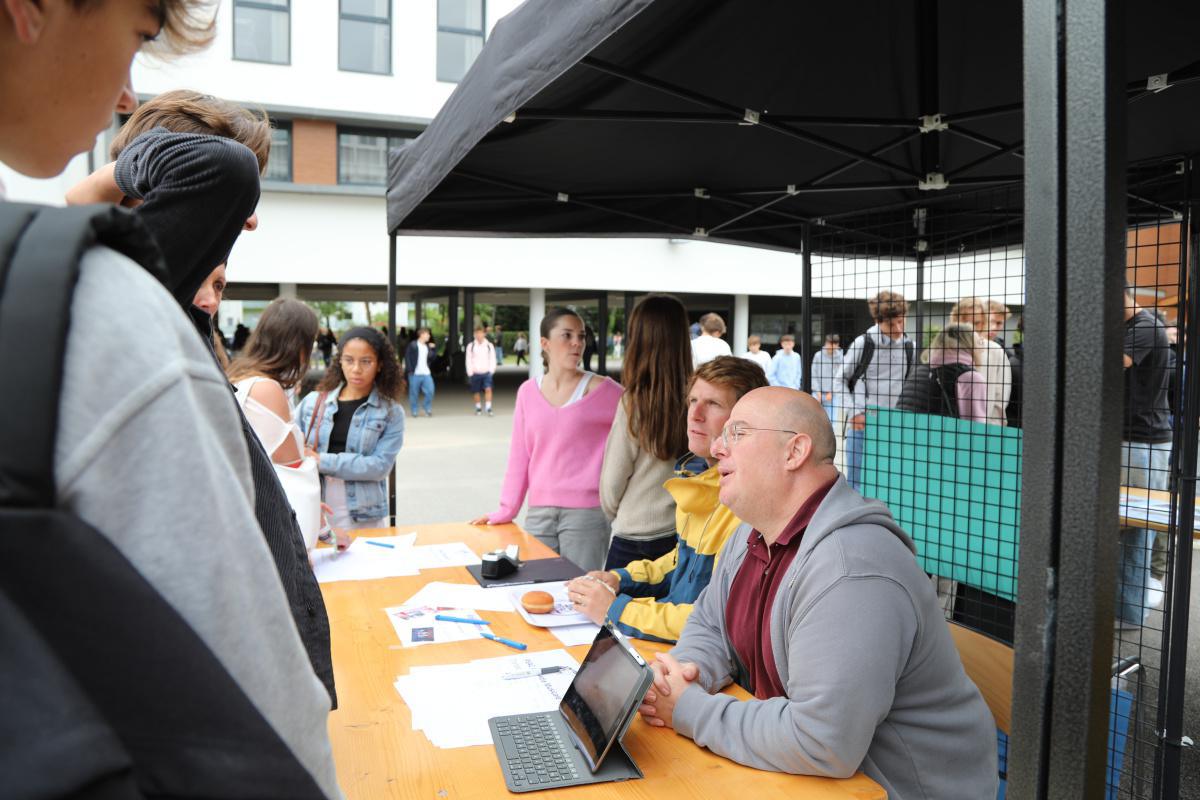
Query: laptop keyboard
[[536, 751]]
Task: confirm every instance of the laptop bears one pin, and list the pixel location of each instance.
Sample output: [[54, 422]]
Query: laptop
[[580, 742]]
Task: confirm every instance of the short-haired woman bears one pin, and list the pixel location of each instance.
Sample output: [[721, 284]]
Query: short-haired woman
[[560, 424]]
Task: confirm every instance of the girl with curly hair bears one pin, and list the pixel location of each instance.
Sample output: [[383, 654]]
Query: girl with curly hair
[[354, 425]]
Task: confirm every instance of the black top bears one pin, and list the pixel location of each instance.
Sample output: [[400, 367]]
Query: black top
[[933, 390], [1146, 409], [341, 424]]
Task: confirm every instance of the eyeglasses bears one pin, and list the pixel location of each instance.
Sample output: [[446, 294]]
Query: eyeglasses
[[348, 363], [732, 434]]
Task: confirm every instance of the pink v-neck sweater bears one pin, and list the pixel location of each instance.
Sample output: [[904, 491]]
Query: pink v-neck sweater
[[556, 453]]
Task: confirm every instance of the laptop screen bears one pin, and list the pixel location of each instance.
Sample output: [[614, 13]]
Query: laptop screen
[[605, 693]]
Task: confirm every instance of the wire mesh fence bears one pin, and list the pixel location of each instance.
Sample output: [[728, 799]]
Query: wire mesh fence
[[917, 355]]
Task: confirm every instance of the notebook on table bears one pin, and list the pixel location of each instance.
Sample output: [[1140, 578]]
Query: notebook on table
[[580, 741]]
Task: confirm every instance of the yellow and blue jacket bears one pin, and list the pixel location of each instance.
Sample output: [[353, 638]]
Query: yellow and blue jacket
[[655, 597]]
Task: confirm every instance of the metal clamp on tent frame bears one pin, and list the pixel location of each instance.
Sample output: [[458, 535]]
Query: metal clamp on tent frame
[[932, 122], [701, 232], [702, 193], [563, 197], [934, 181], [1156, 83], [751, 117]]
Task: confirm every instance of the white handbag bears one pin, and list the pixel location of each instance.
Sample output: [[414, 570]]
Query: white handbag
[[302, 484]]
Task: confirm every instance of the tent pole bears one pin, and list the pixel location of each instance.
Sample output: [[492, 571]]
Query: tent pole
[[806, 321], [1075, 247], [391, 310]]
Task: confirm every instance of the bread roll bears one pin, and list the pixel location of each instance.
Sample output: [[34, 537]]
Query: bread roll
[[538, 602]]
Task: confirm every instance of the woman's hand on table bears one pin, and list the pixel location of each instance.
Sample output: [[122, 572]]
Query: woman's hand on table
[[480, 521]]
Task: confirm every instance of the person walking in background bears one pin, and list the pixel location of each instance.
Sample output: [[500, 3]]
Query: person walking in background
[[240, 334], [560, 425], [619, 344], [357, 418], [709, 344], [325, 343], [481, 366], [589, 347], [755, 353], [521, 348], [827, 382], [648, 434], [499, 346], [992, 362], [874, 371], [787, 368], [946, 382], [417, 358]]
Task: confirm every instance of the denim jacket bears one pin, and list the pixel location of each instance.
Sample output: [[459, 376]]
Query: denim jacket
[[376, 434]]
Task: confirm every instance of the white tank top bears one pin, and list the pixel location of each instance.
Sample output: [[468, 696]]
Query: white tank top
[[267, 426], [580, 388]]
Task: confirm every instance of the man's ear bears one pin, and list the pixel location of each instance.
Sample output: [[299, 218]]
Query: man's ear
[[800, 450], [28, 19]]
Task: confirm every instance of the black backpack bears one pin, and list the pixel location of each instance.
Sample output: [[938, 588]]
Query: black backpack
[[106, 691], [868, 353], [932, 390]]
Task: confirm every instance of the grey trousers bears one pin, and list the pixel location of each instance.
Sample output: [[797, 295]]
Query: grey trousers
[[578, 534]]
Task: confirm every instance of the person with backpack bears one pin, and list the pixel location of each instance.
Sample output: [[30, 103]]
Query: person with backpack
[[481, 366], [946, 382], [874, 370], [103, 497]]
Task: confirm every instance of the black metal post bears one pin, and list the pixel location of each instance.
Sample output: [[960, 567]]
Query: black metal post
[[1075, 247], [806, 321], [919, 305], [468, 316], [630, 297], [602, 333], [1187, 428], [391, 304], [418, 316]]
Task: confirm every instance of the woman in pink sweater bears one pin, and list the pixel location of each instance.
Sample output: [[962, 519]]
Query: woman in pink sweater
[[560, 426]]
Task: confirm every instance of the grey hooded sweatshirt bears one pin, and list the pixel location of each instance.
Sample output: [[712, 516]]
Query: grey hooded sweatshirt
[[873, 679]]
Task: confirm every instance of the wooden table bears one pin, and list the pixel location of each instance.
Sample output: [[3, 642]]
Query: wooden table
[[379, 755], [1154, 525]]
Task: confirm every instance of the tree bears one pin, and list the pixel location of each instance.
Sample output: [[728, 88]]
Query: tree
[[328, 310]]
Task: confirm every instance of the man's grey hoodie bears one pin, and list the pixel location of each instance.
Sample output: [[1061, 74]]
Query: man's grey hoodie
[[874, 682]]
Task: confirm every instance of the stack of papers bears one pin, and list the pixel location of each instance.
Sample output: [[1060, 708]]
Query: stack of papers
[[369, 558], [451, 704], [572, 635], [418, 625], [362, 561], [461, 595]]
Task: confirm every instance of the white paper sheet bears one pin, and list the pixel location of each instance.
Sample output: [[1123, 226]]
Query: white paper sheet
[[461, 595], [572, 635], [452, 703], [419, 625], [564, 612], [365, 562], [451, 554]]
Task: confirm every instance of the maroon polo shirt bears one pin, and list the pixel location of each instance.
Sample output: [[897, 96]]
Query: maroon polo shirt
[[752, 595]]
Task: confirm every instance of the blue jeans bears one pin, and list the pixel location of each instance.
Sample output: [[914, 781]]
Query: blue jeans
[[1143, 465], [416, 385], [499, 355], [855, 444], [830, 411], [622, 551]]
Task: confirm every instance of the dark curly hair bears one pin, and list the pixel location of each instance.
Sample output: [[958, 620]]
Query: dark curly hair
[[389, 380]]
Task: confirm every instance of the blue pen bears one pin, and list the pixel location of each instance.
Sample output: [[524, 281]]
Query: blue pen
[[382, 544], [448, 618], [502, 640]]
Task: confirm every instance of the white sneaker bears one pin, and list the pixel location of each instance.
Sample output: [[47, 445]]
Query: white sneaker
[[1154, 592]]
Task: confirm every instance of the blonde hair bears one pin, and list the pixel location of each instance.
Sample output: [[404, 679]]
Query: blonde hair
[[754, 340], [712, 323], [186, 111], [972, 311], [996, 307], [955, 337]]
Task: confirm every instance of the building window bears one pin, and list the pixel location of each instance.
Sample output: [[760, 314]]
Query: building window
[[262, 31], [363, 155], [460, 37], [279, 164], [365, 36]]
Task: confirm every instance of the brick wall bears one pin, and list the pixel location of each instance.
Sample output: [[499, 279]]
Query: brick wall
[[314, 151]]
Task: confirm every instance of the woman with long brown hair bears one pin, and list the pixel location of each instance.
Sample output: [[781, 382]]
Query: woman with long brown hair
[[356, 417], [649, 432]]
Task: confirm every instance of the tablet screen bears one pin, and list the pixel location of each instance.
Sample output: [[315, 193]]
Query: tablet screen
[[606, 690]]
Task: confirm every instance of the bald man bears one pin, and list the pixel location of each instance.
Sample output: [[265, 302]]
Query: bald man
[[818, 607]]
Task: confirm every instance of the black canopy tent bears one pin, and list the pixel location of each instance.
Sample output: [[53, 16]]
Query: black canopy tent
[[758, 122]]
